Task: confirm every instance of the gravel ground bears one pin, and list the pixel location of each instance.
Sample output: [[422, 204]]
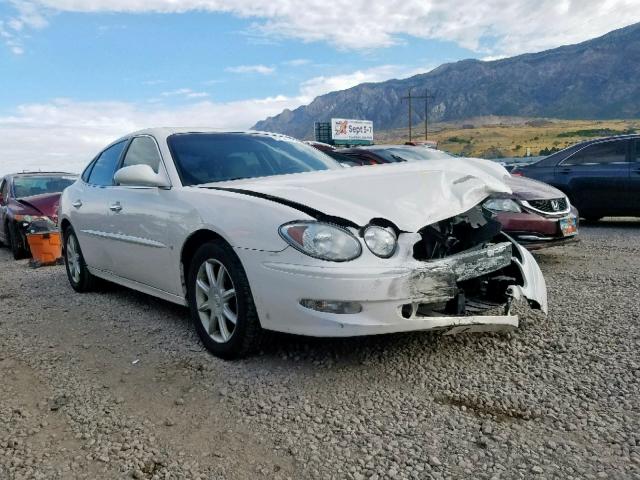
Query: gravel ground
[[115, 384]]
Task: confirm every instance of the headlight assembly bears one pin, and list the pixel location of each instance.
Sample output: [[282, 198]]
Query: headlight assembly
[[322, 240], [381, 241], [502, 205]]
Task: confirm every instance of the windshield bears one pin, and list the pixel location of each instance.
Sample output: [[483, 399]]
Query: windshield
[[217, 157], [39, 185], [411, 154]]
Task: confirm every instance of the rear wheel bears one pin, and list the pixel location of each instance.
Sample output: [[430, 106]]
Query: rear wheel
[[78, 274], [221, 303], [15, 242]]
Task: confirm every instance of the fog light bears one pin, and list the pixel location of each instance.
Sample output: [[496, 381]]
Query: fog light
[[330, 306]]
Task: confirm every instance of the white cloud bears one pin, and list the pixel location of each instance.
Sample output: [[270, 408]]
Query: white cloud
[[65, 134], [261, 69], [297, 62], [491, 27], [325, 84], [184, 92]]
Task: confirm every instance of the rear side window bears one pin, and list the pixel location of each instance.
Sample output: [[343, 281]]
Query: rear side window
[[607, 152], [105, 165], [143, 151]]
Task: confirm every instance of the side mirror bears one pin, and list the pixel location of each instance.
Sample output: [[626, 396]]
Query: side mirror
[[140, 176]]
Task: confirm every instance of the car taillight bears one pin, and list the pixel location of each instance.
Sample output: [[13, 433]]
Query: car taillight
[[517, 174]]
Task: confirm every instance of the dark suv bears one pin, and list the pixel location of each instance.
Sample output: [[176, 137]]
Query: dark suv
[[601, 177]]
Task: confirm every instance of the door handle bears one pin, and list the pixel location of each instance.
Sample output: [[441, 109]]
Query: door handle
[[565, 170], [115, 207], [77, 204]]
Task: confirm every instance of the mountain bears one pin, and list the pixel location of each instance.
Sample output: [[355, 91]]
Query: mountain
[[596, 79]]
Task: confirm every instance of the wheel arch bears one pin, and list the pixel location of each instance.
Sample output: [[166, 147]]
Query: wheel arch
[[189, 248]]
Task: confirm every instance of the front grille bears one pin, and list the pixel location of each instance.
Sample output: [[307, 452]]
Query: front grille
[[550, 206]]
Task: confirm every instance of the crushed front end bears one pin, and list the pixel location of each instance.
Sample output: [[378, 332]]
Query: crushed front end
[[456, 275], [482, 268]]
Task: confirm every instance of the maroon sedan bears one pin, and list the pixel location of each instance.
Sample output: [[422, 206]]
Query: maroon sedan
[[27, 201], [537, 215]]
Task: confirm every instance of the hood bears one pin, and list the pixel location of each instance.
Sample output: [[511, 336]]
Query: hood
[[46, 204], [528, 189], [411, 195]]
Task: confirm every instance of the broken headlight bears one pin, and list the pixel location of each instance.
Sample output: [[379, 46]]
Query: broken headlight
[[502, 205], [321, 240], [381, 241]]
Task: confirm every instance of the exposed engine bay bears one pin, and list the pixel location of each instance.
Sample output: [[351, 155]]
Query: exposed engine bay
[[477, 264]]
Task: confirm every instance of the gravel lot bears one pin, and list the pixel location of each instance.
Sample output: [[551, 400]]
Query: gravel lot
[[115, 384]]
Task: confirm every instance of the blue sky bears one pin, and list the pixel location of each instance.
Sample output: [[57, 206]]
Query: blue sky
[[75, 74], [143, 56]]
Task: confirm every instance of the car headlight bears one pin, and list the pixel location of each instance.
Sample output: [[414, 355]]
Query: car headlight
[[381, 241], [502, 205], [322, 240]]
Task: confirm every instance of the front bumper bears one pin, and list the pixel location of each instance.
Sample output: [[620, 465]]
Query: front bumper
[[535, 231], [280, 280]]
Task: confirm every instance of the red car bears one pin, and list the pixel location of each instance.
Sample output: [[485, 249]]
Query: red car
[[537, 215], [26, 200]]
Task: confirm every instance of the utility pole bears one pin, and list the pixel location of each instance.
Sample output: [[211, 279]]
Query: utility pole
[[409, 97], [426, 112], [424, 97]]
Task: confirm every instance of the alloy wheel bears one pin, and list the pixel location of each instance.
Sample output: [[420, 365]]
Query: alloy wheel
[[216, 301], [73, 258]]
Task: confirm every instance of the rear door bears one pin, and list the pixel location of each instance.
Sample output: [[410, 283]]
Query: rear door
[[90, 208], [597, 177]]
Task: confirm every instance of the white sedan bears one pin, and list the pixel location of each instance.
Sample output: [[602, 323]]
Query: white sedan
[[258, 231]]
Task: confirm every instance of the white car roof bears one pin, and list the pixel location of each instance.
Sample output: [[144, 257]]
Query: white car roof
[[164, 132]]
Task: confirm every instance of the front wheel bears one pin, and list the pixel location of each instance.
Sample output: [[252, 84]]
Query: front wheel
[[78, 274], [221, 303], [15, 242]]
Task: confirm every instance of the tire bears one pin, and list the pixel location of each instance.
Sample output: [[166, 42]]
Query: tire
[[17, 249], [78, 274], [212, 308]]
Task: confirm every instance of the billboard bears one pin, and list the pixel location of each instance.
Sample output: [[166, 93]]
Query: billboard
[[351, 131]]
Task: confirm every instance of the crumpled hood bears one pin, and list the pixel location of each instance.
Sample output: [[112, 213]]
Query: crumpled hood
[[411, 195], [529, 189], [45, 204]]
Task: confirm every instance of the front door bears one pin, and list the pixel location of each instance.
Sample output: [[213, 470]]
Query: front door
[[4, 199], [140, 221], [634, 180], [597, 178]]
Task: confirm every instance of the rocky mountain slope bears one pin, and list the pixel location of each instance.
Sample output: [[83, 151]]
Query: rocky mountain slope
[[596, 79]]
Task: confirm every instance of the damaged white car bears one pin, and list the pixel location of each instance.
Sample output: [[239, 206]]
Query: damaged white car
[[257, 231]]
